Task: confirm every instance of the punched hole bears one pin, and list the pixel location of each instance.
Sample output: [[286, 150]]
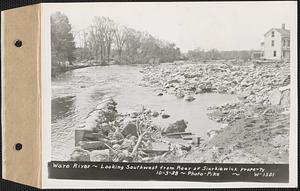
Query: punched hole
[[18, 146], [18, 43]]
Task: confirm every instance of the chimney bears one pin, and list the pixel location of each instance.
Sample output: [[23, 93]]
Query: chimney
[[283, 26]]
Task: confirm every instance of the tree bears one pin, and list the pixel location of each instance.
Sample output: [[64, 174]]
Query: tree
[[132, 46], [107, 39], [62, 40], [105, 32], [120, 39]]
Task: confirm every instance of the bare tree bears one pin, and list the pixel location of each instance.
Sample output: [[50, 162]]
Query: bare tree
[[120, 39], [105, 32]]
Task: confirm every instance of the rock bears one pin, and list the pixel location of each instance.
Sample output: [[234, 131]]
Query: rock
[[178, 126], [129, 129], [105, 128], [128, 144], [91, 122], [285, 98], [125, 156], [173, 81], [80, 155], [165, 116], [275, 97], [100, 155], [286, 80], [212, 132], [155, 114], [280, 96], [116, 146], [160, 94], [118, 135], [179, 95], [189, 98], [134, 115]]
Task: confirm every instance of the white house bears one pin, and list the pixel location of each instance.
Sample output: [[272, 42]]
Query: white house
[[276, 45]]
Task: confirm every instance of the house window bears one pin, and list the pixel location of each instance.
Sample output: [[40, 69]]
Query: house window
[[288, 43], [273, 34], [274, 53], [272, 43], [283, 54], [283, 42]]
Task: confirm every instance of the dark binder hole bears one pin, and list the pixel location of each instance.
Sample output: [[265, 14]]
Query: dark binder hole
[[18, 146], [18, 43]]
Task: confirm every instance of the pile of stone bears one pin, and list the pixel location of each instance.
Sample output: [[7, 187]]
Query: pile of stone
[[106, 135], [252, 82], [227, 113]]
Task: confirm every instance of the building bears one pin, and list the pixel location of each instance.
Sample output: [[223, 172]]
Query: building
[[256, 55], [276, 45]]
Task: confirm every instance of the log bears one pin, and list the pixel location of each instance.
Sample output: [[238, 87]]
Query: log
[[138, 143]]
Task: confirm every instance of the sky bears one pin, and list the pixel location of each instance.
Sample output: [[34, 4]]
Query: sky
[[190, 25]]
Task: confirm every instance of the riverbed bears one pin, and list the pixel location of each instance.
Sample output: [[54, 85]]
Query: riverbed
[[75, 93]]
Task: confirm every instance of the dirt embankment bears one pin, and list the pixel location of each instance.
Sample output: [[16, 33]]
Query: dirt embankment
[[256, 128]]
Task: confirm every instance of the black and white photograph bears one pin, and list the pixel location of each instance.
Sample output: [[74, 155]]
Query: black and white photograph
[[177, 82]]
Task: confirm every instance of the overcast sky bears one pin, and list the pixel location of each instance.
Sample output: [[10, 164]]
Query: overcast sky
[[225, 26]]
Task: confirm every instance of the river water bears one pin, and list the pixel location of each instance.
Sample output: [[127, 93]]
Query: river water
[[75, 93]]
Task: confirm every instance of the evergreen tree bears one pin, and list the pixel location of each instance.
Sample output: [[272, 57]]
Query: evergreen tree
[[62, 40]]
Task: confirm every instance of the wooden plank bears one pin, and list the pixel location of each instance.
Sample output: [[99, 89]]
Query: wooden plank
[[178, 134], [157, 148]]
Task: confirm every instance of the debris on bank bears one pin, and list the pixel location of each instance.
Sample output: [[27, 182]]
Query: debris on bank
[[107, 135], [251, 82], [255, 128]]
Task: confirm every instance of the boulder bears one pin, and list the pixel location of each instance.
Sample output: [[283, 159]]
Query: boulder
[[100, 155], [189, 98], [179, 95], [134, 115], [165, 116], [129, 129], [173, 81], [125, 156], [155, 114], [280, 96], [285, 98], [116, 146], [275, 97], [80, 155], [212, 132], [118, 135], [178, 126], [128, 144]]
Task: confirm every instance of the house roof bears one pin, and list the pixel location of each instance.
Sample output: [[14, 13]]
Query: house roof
[[283, 32]]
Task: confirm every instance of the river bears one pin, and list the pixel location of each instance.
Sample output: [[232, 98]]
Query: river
[[75, 93]]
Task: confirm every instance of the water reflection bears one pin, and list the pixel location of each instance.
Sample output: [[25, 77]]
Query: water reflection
[[62, 107]]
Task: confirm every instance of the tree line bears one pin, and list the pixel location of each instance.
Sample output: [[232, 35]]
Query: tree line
[[106, 42], [214, 54]]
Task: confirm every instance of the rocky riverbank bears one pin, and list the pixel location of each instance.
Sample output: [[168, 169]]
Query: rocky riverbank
[[256, 129], [107, 135]]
